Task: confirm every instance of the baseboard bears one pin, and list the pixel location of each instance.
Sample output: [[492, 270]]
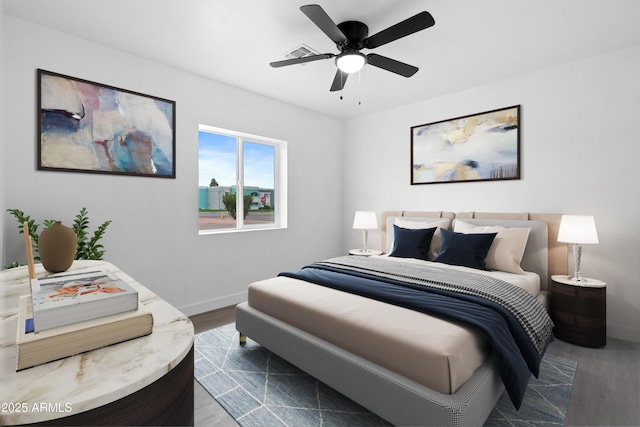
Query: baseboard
[[623, 333], [213, 304]]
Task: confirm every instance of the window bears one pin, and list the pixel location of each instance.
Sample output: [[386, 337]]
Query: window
[[233, 164]]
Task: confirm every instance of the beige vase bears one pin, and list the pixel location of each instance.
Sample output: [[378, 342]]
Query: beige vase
[[57, 247]]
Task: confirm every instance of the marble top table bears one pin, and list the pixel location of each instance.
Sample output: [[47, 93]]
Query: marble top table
[[79, 385]]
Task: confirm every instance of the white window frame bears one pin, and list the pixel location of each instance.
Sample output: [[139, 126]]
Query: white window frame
[[279, 180]]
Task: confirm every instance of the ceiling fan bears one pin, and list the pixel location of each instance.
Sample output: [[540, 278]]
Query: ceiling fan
[[352, 36]]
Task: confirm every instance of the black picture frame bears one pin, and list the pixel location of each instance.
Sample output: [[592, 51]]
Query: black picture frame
[[479, 147], [90, 127]]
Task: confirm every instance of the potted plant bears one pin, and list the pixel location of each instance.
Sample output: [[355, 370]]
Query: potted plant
[[88, 247]]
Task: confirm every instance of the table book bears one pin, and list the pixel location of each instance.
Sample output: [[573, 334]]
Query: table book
[[70, 298], [57, 343]]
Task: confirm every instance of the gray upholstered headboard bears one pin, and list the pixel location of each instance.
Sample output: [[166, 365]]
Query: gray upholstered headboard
[[543, 254]]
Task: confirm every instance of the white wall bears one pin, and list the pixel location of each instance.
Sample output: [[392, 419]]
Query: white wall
[[579, 147], [154, 234], [2, 139]]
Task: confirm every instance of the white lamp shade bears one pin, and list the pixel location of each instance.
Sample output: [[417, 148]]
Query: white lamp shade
[[580, 229], [351, 62], [365, 220]]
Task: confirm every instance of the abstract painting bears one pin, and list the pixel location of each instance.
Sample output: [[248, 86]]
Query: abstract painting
[[90, 127], [479, 147]]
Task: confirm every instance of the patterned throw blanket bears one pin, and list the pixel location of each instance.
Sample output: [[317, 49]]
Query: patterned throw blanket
[[515, 323]]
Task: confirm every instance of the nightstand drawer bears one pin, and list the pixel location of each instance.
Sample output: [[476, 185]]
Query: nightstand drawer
[[578, 306], [577, 320], [569, 291], [590, 302], [589, 337], [577, 291]]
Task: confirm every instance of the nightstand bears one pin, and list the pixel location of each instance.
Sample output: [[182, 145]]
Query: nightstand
[[360, 252], [579, 310]]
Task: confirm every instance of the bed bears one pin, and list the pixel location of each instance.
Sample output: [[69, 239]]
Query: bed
[[409, 367]]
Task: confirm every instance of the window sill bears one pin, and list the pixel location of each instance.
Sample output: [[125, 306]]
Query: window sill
[[238, 230]]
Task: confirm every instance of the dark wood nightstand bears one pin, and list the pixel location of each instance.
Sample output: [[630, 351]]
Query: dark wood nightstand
[[579, 310]]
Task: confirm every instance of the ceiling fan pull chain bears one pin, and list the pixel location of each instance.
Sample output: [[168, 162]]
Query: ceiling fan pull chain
[[359, 87]]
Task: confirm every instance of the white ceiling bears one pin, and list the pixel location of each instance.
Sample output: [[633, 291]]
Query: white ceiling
[[472, 43]]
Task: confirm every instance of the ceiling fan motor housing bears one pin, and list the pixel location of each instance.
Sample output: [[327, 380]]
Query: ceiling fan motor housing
[[355, 32]]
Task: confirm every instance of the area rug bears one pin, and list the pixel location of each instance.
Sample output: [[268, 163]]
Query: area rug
[[258, 388]]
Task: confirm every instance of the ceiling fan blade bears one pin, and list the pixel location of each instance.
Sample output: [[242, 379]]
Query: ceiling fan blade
[[339, 80], [304, 59], [402, 29], [324, 22], [392, 65]]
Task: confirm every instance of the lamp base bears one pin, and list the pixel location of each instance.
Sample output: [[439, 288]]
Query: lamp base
[[577, 252], [368, 252]]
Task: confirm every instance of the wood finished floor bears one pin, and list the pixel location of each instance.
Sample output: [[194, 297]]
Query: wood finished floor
[[606, 389]]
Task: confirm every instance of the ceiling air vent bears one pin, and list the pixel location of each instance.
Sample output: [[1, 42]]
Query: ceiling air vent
[[300, 52]]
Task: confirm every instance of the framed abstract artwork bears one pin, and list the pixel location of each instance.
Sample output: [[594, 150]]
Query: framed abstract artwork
[[91, 127], [479, 147]]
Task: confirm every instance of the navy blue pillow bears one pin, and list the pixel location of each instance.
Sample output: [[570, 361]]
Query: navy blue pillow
[[467, 250], [411, 243]]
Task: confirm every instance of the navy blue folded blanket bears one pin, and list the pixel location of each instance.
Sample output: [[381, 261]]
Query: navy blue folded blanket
[[516, 324]]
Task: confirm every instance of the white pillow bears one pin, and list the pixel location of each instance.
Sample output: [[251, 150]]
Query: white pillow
[[434, 248], [507, 248]]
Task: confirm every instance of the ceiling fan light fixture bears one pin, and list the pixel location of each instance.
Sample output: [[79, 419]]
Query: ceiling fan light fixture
[[351, 62]]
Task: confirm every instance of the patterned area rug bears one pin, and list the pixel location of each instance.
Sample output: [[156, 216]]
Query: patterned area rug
[[258, 388]]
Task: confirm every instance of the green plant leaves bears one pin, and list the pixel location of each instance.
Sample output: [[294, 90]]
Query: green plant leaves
[[88, 246]]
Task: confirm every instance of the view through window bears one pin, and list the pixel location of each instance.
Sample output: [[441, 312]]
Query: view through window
[[233, 164]]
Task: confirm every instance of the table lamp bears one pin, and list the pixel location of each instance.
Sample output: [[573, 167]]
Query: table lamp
[[578, 230], [365, 221]]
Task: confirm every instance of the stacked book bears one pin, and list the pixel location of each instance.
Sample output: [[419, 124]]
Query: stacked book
[[74, 313]]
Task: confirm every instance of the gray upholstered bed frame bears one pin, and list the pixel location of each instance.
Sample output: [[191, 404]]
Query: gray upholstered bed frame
[[391, 396]]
